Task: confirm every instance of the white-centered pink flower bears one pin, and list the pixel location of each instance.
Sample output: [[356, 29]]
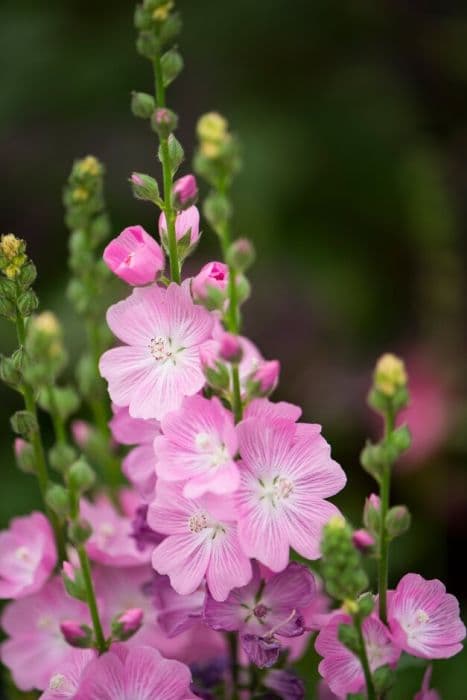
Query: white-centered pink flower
[[134, 256], [340, 667], [159, 364], [65, 680], [424, 619], [198, 447], [36, 648], [286, 475], [201, 541], [27, 555]]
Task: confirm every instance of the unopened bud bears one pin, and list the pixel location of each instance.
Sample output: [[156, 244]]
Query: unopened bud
[[24, 453], [209, 286], [263, 380], [363, 540], [164, 122], [81, 431], [230, 348], [127, 624], [212, 130], [397, 521], [73, 581], [371, 513], [144, 187], [77, 634], [61, 457], [79, 531], [24, 423], [390, 374], [185, 192], [216, 373], [142, 105], [241, 254], [80, 477], [58, 500]]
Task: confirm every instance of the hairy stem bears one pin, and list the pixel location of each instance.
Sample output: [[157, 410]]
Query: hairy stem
[[167, 180]]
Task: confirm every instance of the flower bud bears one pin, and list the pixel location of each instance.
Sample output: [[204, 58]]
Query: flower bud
[[185, 192], [363, 540], [371, 513], [12, 255], [187, 231], [209, 287], [127, 624], [79, 531], [390, 374], [241, 254], [164, 122], [263, 380], [142, 105], [397, 521], [73, 581], [24, 423], [58, 500], [171, 65], [81, 431], [342, 567], [62, 456], [212, 130], [81, 477], [216, 373], [24, 454], [77, 634], [230, 348], [134, 256], [144, 187]]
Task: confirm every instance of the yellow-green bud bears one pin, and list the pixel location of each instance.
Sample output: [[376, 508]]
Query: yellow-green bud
[[390, 374]]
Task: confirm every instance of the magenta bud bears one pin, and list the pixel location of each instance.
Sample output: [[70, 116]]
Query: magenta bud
[[185, 192], [76, 634], [264, 380], [127, 624], [230, 349], [68, 570], [19, 446], [363, 540], [137, 179], [164, 121], [209, 287], [81, 431]]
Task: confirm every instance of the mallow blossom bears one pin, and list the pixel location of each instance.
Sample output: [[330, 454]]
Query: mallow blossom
[[424, 619], [213, 276], [340, 667], [186, 228], [260, 611], [35, 648], [138, 673], [134, 256], [64, 683], [159, 364], [198, 446], [202, 541], [286, 475], [27, 555]]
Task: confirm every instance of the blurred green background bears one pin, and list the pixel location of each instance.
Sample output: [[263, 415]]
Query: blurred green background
[[353, 118]]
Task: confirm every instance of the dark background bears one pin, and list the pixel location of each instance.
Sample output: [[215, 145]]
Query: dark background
[[353, 118]]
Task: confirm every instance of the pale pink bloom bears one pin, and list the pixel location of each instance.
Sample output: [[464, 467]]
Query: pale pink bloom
[[64, 682], [139, 464], [425, 692], [424, 619], [202, 542], [263, 408], [286, 473], [340, 667], [36, 648], [213, 275], [136, 673], [111, 542], [185, 191], [27, 555], [186, 225], [159, 365], [198, 447], [134, 256]]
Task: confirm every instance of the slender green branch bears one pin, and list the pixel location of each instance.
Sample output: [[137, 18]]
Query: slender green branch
[[371, 692], [91, 599], [167, 179], [383, 560]]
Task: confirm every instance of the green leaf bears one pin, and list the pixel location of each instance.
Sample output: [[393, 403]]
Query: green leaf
[[172, 65]]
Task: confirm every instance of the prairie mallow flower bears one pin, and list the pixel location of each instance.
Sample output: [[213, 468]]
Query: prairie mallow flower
[[159, 364], [134, 256], [187, 231], [27, 556], [286, 475], [209, 286], [424, 619]]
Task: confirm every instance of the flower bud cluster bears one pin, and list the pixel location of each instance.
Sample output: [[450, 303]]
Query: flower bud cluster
[[342, 567]]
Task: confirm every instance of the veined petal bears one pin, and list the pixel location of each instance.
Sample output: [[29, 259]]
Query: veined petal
[[184, 558]]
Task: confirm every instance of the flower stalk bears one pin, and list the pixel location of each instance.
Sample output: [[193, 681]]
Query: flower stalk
[[363, 656]]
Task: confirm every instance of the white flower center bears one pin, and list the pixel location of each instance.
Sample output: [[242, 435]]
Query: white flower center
[[198, 522], [23, 554], [422, 617], [57, 682], [277, 490], [210, 446], [104, 532], [47, 622], [161, 348]]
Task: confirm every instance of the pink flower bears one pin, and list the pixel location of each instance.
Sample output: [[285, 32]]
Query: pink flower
[[198, 447], [202, 541], [111, 542], [176, 613], [286, 473], [139, 464], [269, 411], [159, 365], [134, 256], [185, 191], [340, 667], [27, 556], [138, 673], [424, 619], [36, 648], [213, 276], [425, 692], [64, 682], [186, 227]]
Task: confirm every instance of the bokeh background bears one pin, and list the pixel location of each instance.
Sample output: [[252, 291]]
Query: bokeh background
[[353, 118]]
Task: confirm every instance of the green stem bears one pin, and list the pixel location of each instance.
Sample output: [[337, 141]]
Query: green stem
[[383, 560], [91, 599], [234, 667], [167, 180], [371, 692], [38, 448], [57, 420]]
